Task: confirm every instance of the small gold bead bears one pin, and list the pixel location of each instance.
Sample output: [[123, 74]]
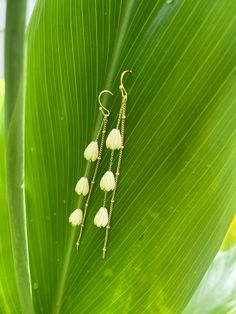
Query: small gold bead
[[103, 132], [104, 249], [82, 225], [117, 173], [99, 158], [92, 182], [86, 204]]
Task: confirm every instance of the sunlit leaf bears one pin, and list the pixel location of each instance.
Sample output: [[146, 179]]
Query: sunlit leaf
[[230, 238], [216, 293]]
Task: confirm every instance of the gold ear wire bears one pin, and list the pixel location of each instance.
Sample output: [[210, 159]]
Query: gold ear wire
[[104, 110], [122, 88]]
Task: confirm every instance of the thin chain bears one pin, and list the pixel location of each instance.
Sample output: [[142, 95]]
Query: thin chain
[[122, 119], [119, 117], [104, 200], [111, 160], [100, 130], [103, 130]]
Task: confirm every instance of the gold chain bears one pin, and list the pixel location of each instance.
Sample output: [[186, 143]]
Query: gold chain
[[103, 130], [121, 119]]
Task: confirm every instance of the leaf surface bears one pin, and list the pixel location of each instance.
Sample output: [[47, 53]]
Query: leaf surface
[[176, 194]]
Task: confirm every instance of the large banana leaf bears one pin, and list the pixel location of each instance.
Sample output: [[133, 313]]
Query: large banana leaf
[[176, 195]]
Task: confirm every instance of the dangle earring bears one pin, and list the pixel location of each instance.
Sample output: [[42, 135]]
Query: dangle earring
[[114, 141], [93, 152]]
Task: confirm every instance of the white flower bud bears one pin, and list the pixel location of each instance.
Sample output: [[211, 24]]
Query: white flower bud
[[114, 140], [101, 218], [76, 217], [91, 151], [107, 182], [82, 187]]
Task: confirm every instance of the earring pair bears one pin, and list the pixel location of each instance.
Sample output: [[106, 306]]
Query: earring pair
[[109, 181]]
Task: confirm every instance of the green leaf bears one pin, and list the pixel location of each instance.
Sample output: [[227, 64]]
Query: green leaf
[[14, 132], [216, 293], [8, 292], [176, 194]]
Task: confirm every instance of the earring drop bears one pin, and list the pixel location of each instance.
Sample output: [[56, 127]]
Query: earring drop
[[114, 141], [93, 152]]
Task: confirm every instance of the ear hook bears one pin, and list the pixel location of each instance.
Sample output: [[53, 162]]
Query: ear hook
[[122, 88], [104, 110]]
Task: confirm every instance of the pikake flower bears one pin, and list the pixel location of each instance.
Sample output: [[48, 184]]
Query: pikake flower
[[91, 151], [114, 140], [107, 182], [76, 217], [82, 187], [101, 218]]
